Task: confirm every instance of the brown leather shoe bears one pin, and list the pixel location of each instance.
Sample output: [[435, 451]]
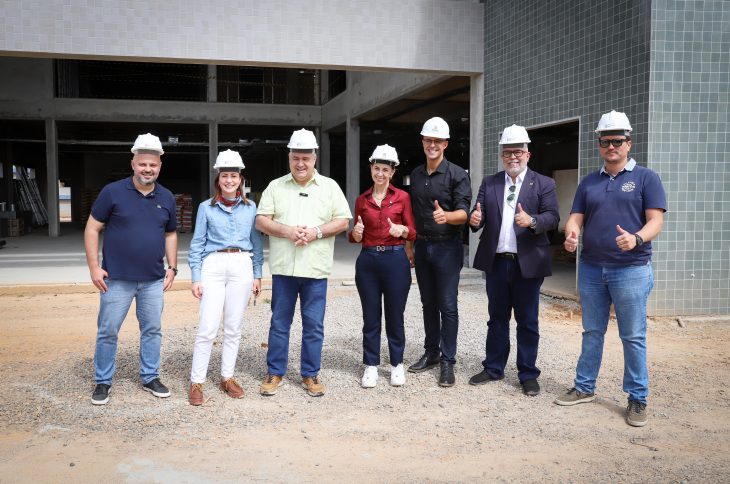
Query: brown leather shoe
[[231, 388], [195, 395], [270, 384], [314, 387]]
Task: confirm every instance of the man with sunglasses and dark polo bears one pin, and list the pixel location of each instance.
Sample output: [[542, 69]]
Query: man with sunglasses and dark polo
[[516, 208], [620, 209]]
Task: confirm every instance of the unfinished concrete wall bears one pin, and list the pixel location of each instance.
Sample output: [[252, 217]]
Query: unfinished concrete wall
[[419, 35], [26, 79]]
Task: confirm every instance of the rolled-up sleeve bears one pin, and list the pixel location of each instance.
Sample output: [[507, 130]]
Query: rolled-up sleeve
[[462, 193]]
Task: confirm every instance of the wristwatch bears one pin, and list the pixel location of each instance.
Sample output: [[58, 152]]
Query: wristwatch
[[319, 232], [173, 269], [639, 240], [533, 222]]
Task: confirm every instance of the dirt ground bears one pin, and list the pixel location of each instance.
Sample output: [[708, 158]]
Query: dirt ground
[[417, 433]]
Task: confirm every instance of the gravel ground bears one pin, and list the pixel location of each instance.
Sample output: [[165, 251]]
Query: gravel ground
[[416, 433]]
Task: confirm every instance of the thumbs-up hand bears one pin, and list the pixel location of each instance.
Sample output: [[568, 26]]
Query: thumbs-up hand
[[522, 218], [358, 229], [396, 230], [625, 241], [476, 216], [571, 241], [439, 216]]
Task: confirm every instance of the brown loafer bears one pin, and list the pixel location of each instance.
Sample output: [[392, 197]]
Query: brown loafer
[[195, 394], [231, 388]]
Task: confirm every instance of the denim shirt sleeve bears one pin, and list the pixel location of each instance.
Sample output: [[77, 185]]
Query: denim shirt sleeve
[[258, 248], [197, 244]]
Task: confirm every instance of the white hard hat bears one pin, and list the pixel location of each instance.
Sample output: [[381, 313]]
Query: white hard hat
[[436, 128], [385, 153], [228, 159], [302, 139], [513, 135], [148, 142], [614, 121]]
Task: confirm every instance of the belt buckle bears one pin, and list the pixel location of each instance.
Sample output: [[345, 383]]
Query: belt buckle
[[380, 248]]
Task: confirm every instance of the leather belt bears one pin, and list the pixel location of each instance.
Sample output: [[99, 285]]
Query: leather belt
[[382, 248], [233, 249], [506, 255]]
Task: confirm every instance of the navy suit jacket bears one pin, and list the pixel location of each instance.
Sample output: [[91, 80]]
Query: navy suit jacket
[[538, 199]]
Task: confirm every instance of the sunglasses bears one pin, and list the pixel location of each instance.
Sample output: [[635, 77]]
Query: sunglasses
[[511, 196], [603, 143]]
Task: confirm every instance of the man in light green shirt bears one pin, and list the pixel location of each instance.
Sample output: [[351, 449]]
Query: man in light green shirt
[[302, 212]]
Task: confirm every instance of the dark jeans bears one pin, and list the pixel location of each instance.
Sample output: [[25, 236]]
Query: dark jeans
[[312, 295], [438, 267], [383, 277], [507, 290]]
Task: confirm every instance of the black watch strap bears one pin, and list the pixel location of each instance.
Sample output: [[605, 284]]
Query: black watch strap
[[639, 240], [173, 269]]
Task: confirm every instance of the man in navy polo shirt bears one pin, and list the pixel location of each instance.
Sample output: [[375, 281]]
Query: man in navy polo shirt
[[137, 216], [621, 209]]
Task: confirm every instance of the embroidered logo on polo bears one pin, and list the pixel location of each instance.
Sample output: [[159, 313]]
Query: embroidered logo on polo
[[628, 187]]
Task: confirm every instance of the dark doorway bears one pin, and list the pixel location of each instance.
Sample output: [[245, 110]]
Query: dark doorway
[[555, 154]]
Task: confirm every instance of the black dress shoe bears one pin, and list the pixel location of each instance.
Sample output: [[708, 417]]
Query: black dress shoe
[[482, 377], [531, 388], [426, 362], [446, 378]]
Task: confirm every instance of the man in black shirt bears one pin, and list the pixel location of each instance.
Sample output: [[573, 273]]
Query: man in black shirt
[[441, 196]]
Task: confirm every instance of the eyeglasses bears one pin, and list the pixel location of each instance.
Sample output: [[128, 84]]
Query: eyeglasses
[[431, 141], [509, 154], [511, 196], [603, 143]]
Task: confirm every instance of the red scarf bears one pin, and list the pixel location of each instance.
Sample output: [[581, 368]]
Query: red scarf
[[229, 203]]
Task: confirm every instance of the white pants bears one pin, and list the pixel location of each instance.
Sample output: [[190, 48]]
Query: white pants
[[226, 279]]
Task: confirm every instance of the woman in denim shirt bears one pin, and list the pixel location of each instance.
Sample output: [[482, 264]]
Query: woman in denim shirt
[[226, 257]]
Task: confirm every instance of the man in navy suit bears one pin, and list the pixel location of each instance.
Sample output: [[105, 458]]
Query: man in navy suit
[[516, 207]]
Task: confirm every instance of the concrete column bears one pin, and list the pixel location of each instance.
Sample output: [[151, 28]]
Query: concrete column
[[212, 84], [324, 86], [353, 161], [323, 161], [212, 153], [7, 161], [476, 148], [54, 224]]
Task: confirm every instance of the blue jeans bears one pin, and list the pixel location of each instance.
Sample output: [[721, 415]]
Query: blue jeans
[[628, 288], [438, 268], [507, 290], [113, 308], [313, 297], [383, 280]]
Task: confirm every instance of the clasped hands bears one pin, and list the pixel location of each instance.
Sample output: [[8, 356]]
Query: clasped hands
[[301, 235]]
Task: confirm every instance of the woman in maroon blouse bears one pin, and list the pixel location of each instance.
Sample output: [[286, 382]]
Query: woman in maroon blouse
[[384, 221]]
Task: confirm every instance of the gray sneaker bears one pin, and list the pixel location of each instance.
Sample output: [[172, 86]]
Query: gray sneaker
[[636, 413], [574, 397]]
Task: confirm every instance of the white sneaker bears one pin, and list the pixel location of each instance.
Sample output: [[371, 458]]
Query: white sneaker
[[369, 377], [397, 375]]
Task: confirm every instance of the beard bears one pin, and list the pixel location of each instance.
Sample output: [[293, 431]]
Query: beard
[[143, 181]]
